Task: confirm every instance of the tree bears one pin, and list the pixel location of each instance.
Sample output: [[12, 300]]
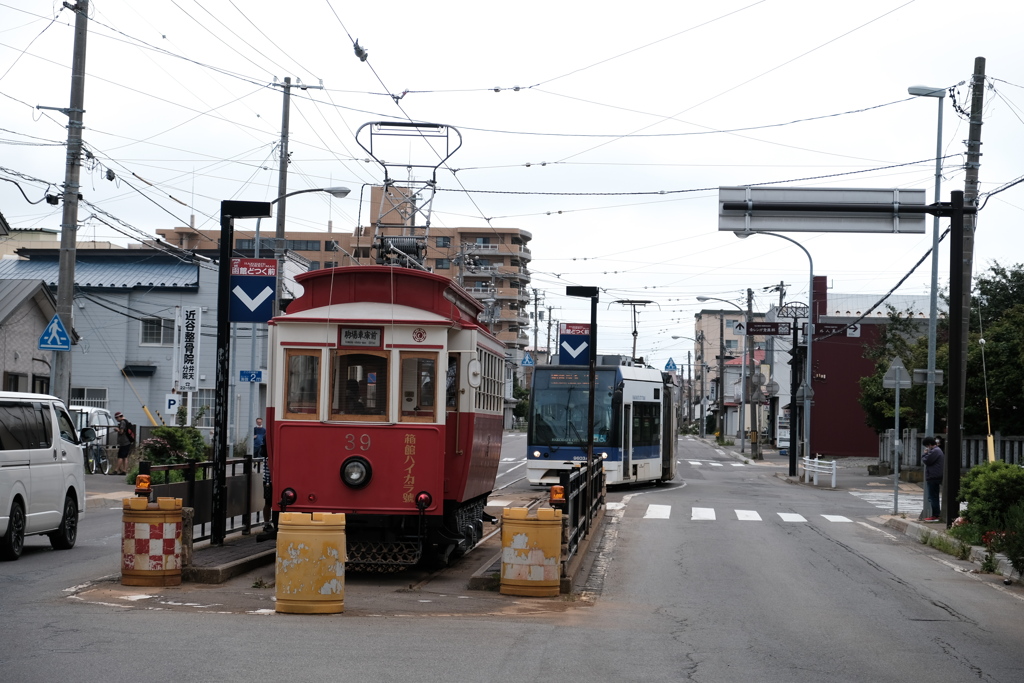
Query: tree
[[997, 316]]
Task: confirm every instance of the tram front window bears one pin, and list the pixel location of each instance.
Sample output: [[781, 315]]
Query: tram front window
[[359, 385], [302, 384], [561, 406], [419, 387]]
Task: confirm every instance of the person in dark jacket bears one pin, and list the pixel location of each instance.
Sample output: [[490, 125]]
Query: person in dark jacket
[[933, 467]]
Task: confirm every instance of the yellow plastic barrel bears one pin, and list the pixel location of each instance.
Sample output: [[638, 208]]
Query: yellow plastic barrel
[[531, 552], [310, 573], [151, 543]]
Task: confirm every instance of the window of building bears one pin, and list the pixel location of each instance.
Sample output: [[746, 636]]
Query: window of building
[[730, 323], [732, 345], [330, 264], [201, 407], [89, 396], [483, 240], [359, 385], [314, 265], [330, 245], [302, 245], [302, 384], [157, 332], [442, 264], [442, 242]]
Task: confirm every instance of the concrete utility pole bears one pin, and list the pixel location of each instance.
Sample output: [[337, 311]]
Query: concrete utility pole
[[69, 220], [960, 298], [282, 183], [536, 320], [721, 375]]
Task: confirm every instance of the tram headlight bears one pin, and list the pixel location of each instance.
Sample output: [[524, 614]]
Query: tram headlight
[[423, 500], [604, 456], [356, 472], [536, 454]]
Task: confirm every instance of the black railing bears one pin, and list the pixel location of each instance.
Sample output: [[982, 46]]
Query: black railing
[[584, 496], [244, 485]]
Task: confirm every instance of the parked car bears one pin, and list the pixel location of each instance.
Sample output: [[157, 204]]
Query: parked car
[[99, 453], [42, 472]]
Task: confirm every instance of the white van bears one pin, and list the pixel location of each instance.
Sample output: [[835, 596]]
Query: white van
[[42, 472]]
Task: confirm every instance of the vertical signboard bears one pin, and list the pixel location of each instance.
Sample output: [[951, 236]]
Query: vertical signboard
[[189, 358]]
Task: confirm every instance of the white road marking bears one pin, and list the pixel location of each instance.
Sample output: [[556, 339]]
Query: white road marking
[[498, 503], [874, 528], [695, 463], [910, 503], [748, 516], [837, 518], [658, 511], [738, 464], [615, 506], [703, 514], [791, 517], [717, 464]]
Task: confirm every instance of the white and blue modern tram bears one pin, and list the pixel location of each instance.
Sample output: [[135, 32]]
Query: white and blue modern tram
[[634, 423]]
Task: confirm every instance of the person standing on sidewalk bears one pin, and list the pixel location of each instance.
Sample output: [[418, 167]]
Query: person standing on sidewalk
[[933, 467], [125, 442]]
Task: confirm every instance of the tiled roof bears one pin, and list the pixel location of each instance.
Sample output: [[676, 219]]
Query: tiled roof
[[109, 274]]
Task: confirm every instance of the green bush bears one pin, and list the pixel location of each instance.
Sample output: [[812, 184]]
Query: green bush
[[1010, 541], [990, 490]]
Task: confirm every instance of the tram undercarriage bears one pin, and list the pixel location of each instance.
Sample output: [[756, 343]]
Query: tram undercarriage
[[386, 543]]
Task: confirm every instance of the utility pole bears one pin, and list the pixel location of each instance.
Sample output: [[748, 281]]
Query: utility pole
[[536, 319], [960, 301], [721, 374], [282, 183], [703, 389], [69, 219]]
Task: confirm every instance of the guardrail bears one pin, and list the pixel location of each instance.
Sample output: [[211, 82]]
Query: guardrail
[[815, 466], [973, 450], [244, 489], [579, 510]]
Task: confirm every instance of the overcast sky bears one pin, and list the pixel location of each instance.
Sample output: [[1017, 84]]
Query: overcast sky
[[598, 109]]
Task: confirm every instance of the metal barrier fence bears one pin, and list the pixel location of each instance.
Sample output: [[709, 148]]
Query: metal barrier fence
[[581, 487], [815, 466], [973, 451], [244, 487]]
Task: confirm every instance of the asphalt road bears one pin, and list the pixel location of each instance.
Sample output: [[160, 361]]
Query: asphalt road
[[753, 594]]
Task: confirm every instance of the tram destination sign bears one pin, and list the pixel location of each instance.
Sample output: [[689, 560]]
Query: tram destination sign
[[768, 328]]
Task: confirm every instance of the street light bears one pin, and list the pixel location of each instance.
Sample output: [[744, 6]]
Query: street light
[[808, 392], [743, 372], [929, 409], [703, 407], [338, 192]]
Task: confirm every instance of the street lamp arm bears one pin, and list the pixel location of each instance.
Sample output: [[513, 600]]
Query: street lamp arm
[[715, 298], [339, 192]]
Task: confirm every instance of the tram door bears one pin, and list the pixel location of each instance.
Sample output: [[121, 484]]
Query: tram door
[[627, 441]]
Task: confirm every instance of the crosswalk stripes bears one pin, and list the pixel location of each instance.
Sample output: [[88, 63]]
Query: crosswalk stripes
[[910, 503], [710, 515], [698, 463]]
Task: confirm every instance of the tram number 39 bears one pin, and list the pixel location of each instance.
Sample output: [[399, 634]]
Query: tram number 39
[[363, 443]]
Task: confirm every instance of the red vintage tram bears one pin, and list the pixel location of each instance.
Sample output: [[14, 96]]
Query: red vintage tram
[[386, 401]]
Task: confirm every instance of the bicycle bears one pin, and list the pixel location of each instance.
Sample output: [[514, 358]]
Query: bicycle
[[97, 462]]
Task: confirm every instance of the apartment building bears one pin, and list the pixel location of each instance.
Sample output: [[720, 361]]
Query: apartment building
[[491, 263]]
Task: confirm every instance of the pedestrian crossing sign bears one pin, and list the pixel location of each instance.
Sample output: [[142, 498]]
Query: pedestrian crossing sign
[[527, 360], [670, 366], [55, 336]]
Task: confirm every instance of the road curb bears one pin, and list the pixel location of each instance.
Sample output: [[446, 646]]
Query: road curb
[[923, 532]]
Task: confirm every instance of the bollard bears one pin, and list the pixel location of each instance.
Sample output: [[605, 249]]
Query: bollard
[[310, 572], [151, 542], [531, 552]]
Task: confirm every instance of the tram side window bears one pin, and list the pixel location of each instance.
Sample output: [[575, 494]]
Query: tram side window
[[302, 384], [418, 386], [451, 391], [359, 386], [646, 424]]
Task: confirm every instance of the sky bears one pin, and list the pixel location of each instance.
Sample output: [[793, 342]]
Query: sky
[[603, 131]]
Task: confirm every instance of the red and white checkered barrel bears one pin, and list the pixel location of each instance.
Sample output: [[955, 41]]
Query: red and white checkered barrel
[[151, 547]]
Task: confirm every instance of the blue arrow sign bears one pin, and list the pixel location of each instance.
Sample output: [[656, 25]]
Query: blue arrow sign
[[55, 337], [253, 284]]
